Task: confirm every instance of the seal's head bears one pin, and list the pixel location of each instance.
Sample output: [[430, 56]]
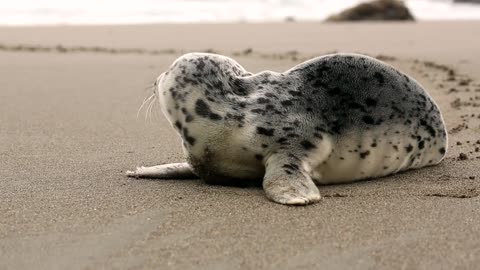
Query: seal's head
[[200, 84], [204, 97], [200, 91]]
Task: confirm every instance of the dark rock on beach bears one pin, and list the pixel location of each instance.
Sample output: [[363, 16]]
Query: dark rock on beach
[[379, 10], [467, 1]]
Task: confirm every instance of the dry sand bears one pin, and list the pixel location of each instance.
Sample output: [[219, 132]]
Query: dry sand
[[68, 131]]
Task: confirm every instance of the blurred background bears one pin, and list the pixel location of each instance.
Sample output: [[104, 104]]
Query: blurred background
[[54, 12]]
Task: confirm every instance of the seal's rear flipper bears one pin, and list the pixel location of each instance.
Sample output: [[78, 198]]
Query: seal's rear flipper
[[165, 171]]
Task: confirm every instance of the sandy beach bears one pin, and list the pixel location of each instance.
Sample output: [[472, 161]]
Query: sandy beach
[[69, 130]]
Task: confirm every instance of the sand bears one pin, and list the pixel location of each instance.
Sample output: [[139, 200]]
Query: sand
[[68, 103]]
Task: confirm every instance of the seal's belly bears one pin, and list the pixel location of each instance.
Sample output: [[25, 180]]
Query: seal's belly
[[374, 154]]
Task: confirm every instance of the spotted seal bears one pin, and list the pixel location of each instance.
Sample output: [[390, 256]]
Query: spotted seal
[[332, 119]]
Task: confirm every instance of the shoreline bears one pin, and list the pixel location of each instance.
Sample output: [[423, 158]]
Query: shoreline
[[312, 38]]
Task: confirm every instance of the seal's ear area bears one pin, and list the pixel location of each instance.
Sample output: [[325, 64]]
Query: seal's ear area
[[241, 86]]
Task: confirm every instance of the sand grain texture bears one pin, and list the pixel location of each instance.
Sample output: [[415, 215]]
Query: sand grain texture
[[69, 131]]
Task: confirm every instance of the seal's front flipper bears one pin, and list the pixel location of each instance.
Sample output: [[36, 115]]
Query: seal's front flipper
[[285, 182], [165, 171]]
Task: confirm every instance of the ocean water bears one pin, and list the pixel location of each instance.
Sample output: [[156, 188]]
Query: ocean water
[[48, 12]]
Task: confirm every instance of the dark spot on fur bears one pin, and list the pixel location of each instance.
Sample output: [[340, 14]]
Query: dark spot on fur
[[421, 144], [259, 111], [371, 102], [368, 120], [239, 117], [409, 148], [428, 127], [286, 103], [442, 150], [291, 166], [307, 145], [265, 131], [295, 166], [295, 93], [263, 100], [215, 116], [189, 118], [379, 77], [269, 107], [191, 140], [363, 155], [319, 84], [203, 110], [201, 64]]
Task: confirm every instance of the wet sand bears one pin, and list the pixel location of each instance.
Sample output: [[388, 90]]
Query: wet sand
[[68, 103]]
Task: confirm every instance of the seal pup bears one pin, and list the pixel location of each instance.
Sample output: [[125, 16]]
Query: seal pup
[[333, 119]]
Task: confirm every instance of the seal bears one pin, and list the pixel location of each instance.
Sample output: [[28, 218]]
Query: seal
[[333, 119]]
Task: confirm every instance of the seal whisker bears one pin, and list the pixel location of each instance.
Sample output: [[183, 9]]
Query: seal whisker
[[149, 109], [150, 87], [143, 104], [155, 108], [152, 108]]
